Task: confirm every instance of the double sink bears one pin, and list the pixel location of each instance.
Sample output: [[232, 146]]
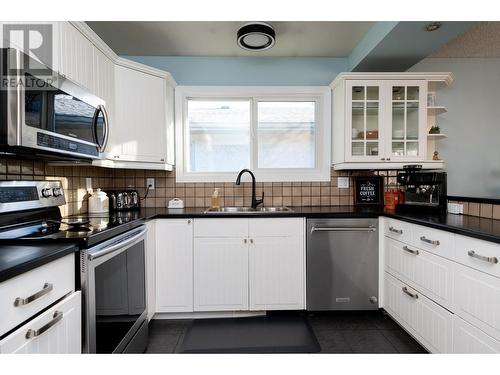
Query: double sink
[[246, 210]]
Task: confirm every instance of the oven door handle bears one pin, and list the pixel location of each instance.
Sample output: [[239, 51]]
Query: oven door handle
[[127, 242]]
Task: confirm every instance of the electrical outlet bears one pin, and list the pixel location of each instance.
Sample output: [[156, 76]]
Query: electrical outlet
[[151, 183], [343, 182], [88, 183]]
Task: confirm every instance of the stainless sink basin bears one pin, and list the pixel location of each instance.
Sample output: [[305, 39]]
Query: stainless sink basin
[[246, 210]]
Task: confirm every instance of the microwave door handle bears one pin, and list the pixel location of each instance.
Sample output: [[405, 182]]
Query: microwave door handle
[[101, 109], [106, 127]]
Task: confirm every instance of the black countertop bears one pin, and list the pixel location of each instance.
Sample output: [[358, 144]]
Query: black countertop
[[482, 228], [17, 259]]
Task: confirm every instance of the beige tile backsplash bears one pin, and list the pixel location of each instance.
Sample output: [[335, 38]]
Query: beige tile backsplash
[[198, 194]]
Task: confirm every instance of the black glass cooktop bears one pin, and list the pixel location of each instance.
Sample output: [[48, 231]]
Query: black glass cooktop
[[87, 230]]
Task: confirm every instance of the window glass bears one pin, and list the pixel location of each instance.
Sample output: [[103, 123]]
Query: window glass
[[219, 135], [286, 134]]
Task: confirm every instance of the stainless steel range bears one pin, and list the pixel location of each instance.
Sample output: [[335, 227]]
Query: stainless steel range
[[112, 260]]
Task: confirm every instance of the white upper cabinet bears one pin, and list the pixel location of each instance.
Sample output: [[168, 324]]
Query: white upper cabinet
[[142, 115], [380, 120], [76, 56]]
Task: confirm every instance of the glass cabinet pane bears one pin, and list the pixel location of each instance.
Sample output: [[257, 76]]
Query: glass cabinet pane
[[412, 92], [358, 93], [372, 92], [358, 148], [398, 148], [412, 121], [372, 148], [358, 120], [372, 120], [398, 120], [398, 93], [412, 148]]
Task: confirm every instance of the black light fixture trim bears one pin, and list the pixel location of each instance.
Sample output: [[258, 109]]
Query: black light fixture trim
[[259, 28]]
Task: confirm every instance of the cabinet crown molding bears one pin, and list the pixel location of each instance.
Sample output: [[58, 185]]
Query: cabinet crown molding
[[445, 78]]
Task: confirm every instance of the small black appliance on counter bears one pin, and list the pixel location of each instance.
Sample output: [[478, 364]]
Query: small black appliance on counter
[[424, 191], [123, 200]]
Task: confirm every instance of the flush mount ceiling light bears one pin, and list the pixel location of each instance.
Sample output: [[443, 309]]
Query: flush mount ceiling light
[[256, 36], [433, 26]]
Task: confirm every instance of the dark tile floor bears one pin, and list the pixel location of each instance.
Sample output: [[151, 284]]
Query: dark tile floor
[[337, 332]]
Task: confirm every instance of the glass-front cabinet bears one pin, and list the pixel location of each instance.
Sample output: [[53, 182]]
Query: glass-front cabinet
[[407, 120], [364, 119], [385, 120]]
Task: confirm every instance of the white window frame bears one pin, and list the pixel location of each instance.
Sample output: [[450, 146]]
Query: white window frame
[[319, 94]]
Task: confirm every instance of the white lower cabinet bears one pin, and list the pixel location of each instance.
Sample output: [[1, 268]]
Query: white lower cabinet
[[430, 323], [477, 299], [276, 264], [56, 331], [468, 339], [432, 274], [174, 265], [220, 274]]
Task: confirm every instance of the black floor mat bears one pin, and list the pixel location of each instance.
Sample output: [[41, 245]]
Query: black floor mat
[[269, 334]]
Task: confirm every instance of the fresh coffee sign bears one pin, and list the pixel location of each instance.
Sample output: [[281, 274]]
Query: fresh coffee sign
[[368, 190]]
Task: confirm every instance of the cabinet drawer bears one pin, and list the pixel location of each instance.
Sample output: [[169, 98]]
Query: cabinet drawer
[[431, 274], [476, 298], [221, 227], [468, 339], [481, 255], [433, 240], [44, 285], [56, 331], [398, 230], [273, 227], [430, 323]]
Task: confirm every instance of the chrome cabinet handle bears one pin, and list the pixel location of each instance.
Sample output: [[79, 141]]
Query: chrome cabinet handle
[[473, 254], [407, 292], [408, 250], [394, 230], [189, 221], [432, 242], [58, 315], [388, 159], [251, 240], [245, 240], [382, 158], [47, 287]]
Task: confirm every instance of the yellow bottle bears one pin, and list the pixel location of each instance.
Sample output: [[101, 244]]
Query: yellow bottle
[[216, 199]]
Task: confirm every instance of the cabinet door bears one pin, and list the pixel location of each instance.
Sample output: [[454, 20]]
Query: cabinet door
[[174, 265], [426, 320], [276, 273], [139, 116], [76, 56], [151, 267], [406, 133], [364, 129], [59, 331], [468, 339], [476, 298], [220, 274]]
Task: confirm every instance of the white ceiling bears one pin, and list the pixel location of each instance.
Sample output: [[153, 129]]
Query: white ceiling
[[308, 39]]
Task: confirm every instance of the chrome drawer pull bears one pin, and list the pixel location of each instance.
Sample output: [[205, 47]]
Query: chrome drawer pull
[[432, 242], [394, 230], [406, 291], [47, 287], [369, 228], [408, 250], [493, 260], [58, 315]]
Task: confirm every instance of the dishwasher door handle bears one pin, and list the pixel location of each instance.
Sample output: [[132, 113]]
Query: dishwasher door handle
[[343, 229]]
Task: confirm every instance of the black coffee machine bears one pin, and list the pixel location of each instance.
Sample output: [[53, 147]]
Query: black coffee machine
[[424, 191]]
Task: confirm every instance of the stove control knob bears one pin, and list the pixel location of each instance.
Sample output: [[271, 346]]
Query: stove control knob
[[46, 192], [57, 192]]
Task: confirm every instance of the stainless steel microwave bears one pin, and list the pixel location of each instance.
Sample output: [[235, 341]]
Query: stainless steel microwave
[[43, 112]]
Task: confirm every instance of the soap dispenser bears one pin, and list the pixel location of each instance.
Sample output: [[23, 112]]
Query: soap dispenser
[[216, 199]]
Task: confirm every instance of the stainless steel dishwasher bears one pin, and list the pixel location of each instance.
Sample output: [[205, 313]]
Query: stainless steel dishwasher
[[342, 264]]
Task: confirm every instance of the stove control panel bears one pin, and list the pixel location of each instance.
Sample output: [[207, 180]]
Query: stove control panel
[[28, 195]]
